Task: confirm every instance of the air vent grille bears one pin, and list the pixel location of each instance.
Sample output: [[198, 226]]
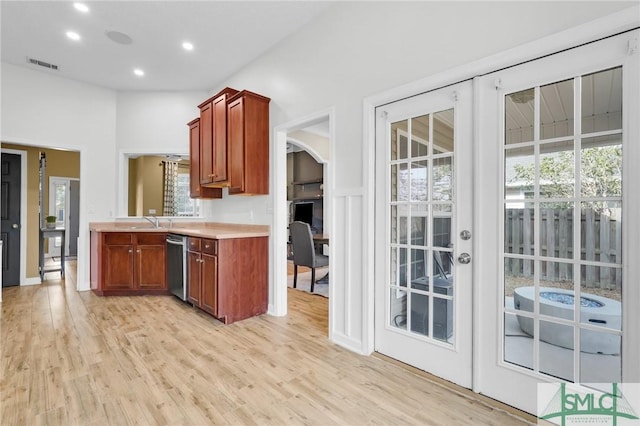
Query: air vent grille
[[42, 63]]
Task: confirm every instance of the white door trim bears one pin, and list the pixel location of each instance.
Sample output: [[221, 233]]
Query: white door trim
[[278, 296], [606, 26]]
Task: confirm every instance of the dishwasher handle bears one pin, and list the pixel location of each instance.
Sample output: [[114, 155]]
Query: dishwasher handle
[[177, 243]]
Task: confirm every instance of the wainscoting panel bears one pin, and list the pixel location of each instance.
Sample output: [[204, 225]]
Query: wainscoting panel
[[346, 286]]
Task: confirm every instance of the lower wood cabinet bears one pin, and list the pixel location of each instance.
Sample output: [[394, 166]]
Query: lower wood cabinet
[[202, 273], [125, 263], [227, 278]]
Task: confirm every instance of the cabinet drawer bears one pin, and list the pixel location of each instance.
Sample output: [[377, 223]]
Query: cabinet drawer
[[151, 238], [209, 246], [117, 238], [194, 244]]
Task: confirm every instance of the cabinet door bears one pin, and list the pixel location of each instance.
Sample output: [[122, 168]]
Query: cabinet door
[[195, 189], [150, 267], [206, 143], [209, 281], [194, 158], [219, 172], [248, 138], [235, 134], [118, 267], [193, 277]]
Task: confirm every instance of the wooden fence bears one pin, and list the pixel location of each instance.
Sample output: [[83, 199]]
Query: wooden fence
[[601, 241]]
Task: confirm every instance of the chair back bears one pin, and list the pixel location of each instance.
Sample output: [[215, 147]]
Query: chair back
[[302, 244]]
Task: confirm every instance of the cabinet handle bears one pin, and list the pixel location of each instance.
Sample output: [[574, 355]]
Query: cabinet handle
[[138, 251], [206, 246], [212, 175]]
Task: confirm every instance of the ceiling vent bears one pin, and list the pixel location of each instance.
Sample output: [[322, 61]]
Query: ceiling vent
[[42, 64]]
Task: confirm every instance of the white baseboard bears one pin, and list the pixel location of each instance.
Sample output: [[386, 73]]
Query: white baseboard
[[31, 281]]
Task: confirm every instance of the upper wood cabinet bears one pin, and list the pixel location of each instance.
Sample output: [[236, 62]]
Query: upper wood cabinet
[[195, 188], [248, 138], [213, 139]]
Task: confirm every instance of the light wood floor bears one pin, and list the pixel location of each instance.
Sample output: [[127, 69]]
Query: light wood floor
[[72, 358]]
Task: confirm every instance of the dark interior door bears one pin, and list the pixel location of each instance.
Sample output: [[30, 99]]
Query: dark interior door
[[10, 207]]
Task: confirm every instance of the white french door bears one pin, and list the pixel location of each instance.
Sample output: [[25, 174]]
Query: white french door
[[423, 226], [558, 223]]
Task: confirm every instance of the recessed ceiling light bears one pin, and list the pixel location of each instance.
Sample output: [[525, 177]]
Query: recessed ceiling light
[[138, 72], [81, 7], [187, 46], [73, 35]]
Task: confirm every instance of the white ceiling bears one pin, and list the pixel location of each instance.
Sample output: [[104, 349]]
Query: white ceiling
[[226, 34]]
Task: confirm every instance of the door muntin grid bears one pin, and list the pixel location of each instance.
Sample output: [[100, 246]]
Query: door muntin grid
[[421, 210], [562, 207]]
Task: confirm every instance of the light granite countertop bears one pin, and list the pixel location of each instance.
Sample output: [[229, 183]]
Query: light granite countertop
[[213, 230]]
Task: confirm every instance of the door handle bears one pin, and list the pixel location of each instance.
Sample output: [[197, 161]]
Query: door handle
[[15, 226], [464, 258]]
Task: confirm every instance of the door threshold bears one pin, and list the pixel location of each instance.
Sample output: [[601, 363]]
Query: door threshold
[[464, 392]]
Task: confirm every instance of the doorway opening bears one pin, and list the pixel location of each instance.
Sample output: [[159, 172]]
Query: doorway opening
[[313, 136], [61, 163], [305, 200]]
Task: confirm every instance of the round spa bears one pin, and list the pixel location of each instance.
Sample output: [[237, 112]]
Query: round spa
[[559, 303]]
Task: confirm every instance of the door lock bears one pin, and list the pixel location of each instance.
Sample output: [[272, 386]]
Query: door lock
[[15, 226], [464, 258], [465, 235]]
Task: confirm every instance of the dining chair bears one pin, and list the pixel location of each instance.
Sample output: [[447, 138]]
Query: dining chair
[[304, 253]]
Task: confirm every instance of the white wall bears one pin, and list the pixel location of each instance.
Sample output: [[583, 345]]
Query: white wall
[[45, 110], [358, 49], [156, 120]]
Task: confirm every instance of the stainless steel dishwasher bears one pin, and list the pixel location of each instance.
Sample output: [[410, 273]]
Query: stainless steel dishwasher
[[177, 265]]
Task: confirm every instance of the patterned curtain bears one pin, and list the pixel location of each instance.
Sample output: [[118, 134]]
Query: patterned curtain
[[170, 184]]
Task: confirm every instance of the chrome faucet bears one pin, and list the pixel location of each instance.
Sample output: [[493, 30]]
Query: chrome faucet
[[155, 221]]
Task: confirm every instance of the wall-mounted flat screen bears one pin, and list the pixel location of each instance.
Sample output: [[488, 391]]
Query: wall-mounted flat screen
[[303, 212]]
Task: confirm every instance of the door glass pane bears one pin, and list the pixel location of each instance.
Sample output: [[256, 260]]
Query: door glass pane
[[519, 284], [400, 182], [60, 201], [601, 231], [556, 229], [442, 179], [420, 136], [399, 149], [443, 137], [419, 180], [596, 363], [441, 230], [420, 313], [518, 114], [557, 179], [419, 230], [601, 166], [419, 267], [519, 173], [602, 101], [519, 228], [556, 297], [518, 343], [442, 315], [556, 110], [556, 350], [398, 305]]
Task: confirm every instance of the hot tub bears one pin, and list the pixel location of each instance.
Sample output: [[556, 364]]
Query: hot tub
[[559, 303]]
